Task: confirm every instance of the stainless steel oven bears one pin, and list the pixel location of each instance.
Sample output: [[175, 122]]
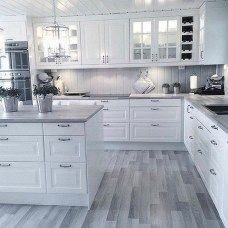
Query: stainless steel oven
[[15, 71]]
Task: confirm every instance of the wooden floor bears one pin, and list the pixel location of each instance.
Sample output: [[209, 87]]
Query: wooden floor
[[139, 189]]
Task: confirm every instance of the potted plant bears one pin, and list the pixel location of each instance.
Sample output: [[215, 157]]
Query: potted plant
[[44, 95], [176, 87], [10, 98], [165, 88]]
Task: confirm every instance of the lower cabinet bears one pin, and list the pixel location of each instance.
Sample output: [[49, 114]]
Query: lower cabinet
[[155, 132], [66, 177], [22, 177], [116, 131]]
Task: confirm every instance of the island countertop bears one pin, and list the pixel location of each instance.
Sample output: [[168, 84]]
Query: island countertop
[[64, 114]]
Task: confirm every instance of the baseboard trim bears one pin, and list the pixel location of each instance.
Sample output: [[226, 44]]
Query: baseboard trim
[[144, 146]]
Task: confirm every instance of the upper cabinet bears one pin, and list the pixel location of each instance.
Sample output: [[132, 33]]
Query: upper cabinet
[[14, 30], [41, 46], [105, 42], [155, 40], [213, 45]]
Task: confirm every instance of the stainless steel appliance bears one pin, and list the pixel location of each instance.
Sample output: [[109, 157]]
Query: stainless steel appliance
[[14, 69]]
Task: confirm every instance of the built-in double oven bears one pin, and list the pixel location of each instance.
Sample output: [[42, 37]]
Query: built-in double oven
[[15, 69]]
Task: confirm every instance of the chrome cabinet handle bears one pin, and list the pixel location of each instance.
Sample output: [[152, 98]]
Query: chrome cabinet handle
[[105, 109], [200, 127], [191, 107], [214, 127], [3, 125], [191, 137], [213, 142], [154, 109], [212, 171], [188, 109], [4, 139], [191, 117], [5, 165], [106, 125], [154, 100], [63, 125], [200, 151], [154, 125], [104, 101], [65, 166], [64, 140], [201, 54]]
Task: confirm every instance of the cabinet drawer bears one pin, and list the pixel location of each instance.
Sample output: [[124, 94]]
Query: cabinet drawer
[[22, 177], [117, 103], [116, 131], [63, 128], [21, 148], [157, 114], [66, 177], [155, 102], [156, 132], [21, 129], [116, 114], [65, 148]]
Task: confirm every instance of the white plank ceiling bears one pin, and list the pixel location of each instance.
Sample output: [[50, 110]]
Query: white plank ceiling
[[42, 8]]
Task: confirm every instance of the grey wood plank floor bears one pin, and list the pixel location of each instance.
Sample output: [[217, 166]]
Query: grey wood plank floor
[[140, 189]]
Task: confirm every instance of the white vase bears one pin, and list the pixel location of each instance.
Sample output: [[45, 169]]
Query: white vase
[[165, 90], [44, 103], [10, 104], [176, 90]]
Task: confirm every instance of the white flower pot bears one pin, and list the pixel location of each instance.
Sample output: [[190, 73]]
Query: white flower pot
[[176, 90], [44, 103], [10, 104], [165, 90]]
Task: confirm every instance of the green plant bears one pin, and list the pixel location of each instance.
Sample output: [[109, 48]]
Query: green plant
[[176, 84], [9, 92], [45, 90], [165, 85]]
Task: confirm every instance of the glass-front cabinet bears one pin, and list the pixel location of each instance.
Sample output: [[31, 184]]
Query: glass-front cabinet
[[155, 40], [70, 41]]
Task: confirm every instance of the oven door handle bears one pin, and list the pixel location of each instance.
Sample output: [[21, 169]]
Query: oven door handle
[[16, 51]]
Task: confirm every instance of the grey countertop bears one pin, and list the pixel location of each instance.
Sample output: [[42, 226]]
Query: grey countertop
[[200, 101], [69, 113]]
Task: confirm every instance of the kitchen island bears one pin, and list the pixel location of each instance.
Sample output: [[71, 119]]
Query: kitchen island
[[55, 158]]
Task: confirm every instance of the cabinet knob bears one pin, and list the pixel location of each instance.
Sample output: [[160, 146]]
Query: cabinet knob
[[103, 59], [106, 125], [200, 151], [200, 127], [213, 142], [191, 137], [3, 125], [212, 171], [107, 59], [191, 117], [214, 127], [5, 165]]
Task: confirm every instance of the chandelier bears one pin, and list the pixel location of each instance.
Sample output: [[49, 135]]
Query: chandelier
[[56, 39], [2, 43]]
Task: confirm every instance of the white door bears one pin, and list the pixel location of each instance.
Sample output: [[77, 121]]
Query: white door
[[21, 148], [66, 177], [22, 177], [117, 41], [167, 48], [65, 148], [116, 132], [93, 43], [156, 132]]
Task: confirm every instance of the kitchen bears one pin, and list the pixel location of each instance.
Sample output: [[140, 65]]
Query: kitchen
[[113, 113]]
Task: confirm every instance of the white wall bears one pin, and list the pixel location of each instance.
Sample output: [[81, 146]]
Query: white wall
[[119, 81]]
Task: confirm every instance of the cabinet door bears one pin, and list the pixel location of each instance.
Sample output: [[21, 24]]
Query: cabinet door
[[167, 48], [116, 132], [142, 40], [22, 177], [93, 44], [202, 36], [156, 132], [66, 177], [65, 148], [14, 30], [117, 41], [21, 148]]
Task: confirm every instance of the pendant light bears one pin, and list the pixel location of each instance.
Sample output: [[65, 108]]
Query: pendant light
[[56, 39], [2, 43]]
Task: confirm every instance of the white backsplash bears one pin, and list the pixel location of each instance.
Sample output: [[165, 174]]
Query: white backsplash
[[120, 81]]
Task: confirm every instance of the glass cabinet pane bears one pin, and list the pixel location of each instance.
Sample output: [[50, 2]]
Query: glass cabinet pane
[[172, 26], [162, 53], [162, 26], [162, 40], [137, 27], [172, 53], [172, 40], [137, 54], [147, 41], [147, 27], [137, 41], [146, 53]]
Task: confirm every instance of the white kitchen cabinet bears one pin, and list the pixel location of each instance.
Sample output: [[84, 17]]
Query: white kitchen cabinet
[[42, 40], [155, 114], [65, 148], [66, 177], [116, 131], [116, 114], [155, 40], [155, 132], [213, 46], [22, 177], [21, 148], [14, 30], [155, 102], [109, 43]]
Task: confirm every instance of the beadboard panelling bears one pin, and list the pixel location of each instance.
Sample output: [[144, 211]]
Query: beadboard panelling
[[120, 81]]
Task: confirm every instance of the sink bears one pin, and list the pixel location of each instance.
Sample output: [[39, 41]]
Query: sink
[[218, 109]]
